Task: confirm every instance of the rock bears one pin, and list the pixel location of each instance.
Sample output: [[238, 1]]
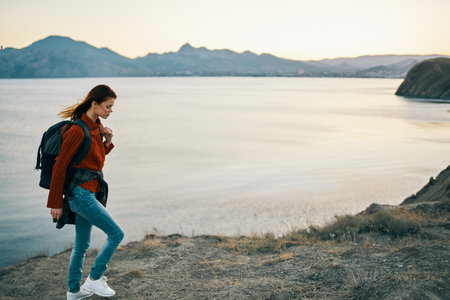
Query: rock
[[375, 207], [428, 79]]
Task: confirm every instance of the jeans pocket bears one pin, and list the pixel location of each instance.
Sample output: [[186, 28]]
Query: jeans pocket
[[74, 204]]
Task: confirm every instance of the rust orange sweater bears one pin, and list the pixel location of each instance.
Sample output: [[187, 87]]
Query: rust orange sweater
[[94, 159]]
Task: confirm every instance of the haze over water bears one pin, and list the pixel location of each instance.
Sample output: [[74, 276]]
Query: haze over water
[[223, 155]]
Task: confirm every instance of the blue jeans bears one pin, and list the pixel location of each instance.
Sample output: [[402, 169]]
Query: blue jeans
[[89, 211]]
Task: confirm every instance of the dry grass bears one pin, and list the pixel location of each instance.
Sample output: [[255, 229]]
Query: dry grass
[[39, 255], [146, 248], [211, 266], [223, 262], [256, 243], [153, 244], [135, 273], [412, 275], [235, 282], [282, 257], [396, 225], [286, 256]]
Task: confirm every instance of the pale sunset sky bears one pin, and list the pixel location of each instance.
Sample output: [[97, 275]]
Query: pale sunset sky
[[296, 29]]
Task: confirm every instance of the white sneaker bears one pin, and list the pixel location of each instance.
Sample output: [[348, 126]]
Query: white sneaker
[[98, 287], [81, 294]]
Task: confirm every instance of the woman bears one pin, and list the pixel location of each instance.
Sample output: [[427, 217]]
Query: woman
[[82, 198]]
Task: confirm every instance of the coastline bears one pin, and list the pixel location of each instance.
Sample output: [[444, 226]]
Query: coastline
[[383, 252]]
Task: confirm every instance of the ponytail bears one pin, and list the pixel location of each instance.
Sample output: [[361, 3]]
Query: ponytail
[[97, 94]]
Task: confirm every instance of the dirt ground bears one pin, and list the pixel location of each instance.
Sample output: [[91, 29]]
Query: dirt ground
[[205, 267]]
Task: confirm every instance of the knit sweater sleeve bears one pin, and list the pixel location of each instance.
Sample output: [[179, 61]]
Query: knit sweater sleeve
[[72, 140], [109, 148]]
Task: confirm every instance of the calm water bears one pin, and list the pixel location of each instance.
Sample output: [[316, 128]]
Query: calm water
[[223, 155]]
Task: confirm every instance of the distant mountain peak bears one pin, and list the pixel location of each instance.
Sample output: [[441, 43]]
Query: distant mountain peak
[[186, 47], [55, 39], [57, 42]]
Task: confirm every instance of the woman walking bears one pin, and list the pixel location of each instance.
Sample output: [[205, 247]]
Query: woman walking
[[86, 187]]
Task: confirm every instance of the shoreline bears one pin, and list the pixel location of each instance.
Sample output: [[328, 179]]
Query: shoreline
[[385, 251]]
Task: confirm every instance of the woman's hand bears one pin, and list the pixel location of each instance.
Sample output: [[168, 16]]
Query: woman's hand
[[108, 134], [56, 213]]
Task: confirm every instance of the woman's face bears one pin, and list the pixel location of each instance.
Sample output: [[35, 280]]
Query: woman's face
[[104, 109]]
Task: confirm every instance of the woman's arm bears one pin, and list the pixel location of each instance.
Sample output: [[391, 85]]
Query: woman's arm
[[71, 142]]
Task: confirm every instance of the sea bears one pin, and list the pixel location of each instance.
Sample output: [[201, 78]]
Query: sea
[[223, 155]]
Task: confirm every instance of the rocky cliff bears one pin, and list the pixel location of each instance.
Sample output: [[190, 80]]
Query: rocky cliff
[[436, 190], [428, 79]]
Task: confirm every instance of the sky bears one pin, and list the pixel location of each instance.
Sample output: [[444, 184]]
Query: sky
[[296, 29]]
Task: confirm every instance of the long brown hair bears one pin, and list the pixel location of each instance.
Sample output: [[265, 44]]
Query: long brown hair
[[98, 94]]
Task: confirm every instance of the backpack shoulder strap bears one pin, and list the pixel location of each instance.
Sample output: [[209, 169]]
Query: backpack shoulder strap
[[85, 145]]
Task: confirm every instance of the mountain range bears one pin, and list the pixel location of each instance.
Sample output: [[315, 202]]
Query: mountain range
[[57, 56]]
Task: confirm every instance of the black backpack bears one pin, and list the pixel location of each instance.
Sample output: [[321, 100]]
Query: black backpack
[[50, 146]]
